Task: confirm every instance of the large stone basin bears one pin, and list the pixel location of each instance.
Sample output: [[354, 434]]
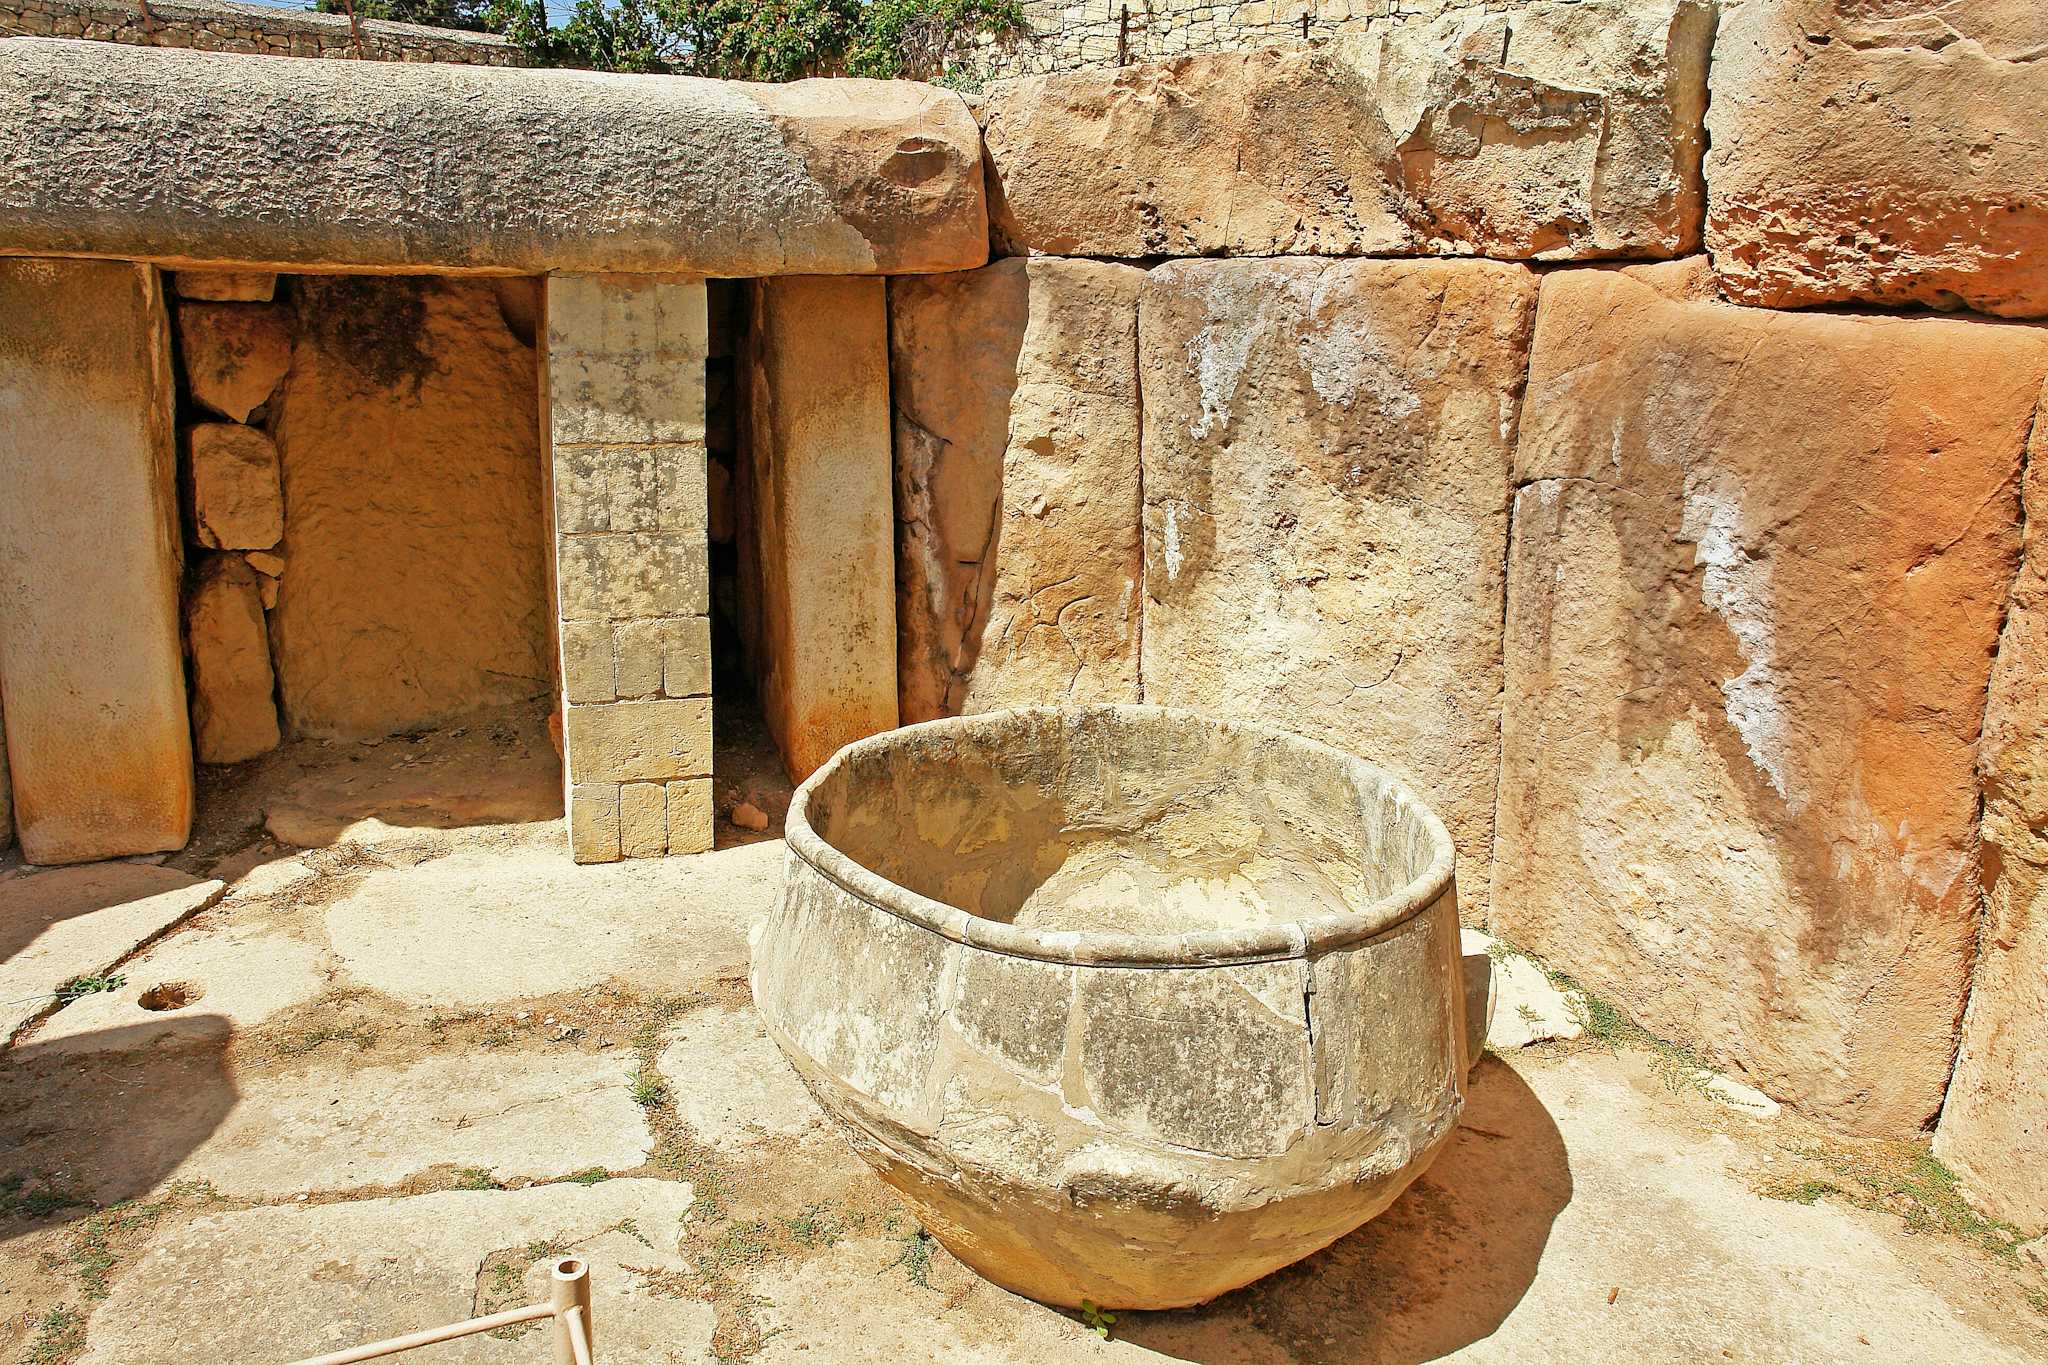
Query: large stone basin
[[1131, 1005]]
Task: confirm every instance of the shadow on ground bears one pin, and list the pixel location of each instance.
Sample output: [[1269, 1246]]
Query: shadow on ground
[[100, 1126], [1439, 1270]]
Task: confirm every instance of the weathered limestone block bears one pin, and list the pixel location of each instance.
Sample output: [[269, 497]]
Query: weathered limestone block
[[190, 156], [98, 738], [1015, 390], [232, 482], [1327, 453], [1892, 155], [626, 383], [234, 354], [1555, 131], [225, 286], [1759, 565], [1994, 1127], [409, 437], [234, 710], [817, 534]]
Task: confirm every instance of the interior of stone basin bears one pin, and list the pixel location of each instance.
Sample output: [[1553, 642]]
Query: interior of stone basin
[[1122, 821]]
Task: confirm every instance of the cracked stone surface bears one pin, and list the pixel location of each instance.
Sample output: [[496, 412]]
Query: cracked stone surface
[[74, 921]]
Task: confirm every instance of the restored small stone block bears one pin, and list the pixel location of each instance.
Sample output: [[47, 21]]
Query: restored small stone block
[[665, 657], [594, 822], [626, 399], [639, 741], [643, 820], [689, 816], [624, 577], [588, 668]]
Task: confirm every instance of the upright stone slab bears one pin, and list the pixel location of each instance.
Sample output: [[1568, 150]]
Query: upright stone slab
[[817, 526], [6, 785], [1015, 391], [1759, 565], [626, 413], [1892, 154], [97, 735], [1327, 446], [1994, 1127]]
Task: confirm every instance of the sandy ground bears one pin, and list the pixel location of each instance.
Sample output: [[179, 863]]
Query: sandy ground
[[406, 1052]]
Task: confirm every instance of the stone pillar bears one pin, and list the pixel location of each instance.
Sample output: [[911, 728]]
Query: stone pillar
[[625, 387], [97, 733], [818, 525]]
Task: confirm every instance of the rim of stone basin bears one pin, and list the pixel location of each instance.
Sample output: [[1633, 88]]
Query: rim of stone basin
[[1201, 948]]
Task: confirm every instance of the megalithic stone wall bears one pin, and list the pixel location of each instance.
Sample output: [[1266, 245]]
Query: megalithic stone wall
[[98, 741], [625, 369]]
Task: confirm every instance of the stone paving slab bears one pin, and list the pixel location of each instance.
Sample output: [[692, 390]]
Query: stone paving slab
[[272, 1284], [339, 1126], [61, 923], [731, 1084], [478, 928], [229, 980]]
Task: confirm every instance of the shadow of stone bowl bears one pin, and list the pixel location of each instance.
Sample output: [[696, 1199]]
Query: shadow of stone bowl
[[1440, 1269]]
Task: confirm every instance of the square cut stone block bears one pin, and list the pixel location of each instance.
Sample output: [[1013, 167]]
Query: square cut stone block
[[643, 820], [626, 399], [594, 822], [617, 314], [664, 657], [689, 816], [588, 667], [639, 741], [655, 488], [627, 577], [582, 489]]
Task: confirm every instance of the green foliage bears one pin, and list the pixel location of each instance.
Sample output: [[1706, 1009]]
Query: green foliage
[[916, 1257], [1096, 1320], [759, 40], [470, 14]]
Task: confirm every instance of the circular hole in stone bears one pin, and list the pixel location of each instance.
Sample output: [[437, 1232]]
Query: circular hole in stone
[[170, 995]]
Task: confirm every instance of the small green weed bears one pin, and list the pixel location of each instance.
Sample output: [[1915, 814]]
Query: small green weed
[[60, 1334], [36, 1203], [476, 1178], [78, 987], [1808, 1192], [596, 1175], [815, 1227], [1096, 1320], [916, 1257], [648, 1090]]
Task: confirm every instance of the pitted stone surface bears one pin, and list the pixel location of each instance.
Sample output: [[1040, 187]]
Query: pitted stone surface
[[1555, 131], [729, 1083], [1889, 153], [214, 157]]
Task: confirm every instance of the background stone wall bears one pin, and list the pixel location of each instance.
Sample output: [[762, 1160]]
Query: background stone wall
[[224, 26], [1076, 35]]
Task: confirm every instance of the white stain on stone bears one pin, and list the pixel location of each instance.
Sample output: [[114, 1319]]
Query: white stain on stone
[[1344, 357], [1170, 542], [1239, 306], [1737, 588]]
